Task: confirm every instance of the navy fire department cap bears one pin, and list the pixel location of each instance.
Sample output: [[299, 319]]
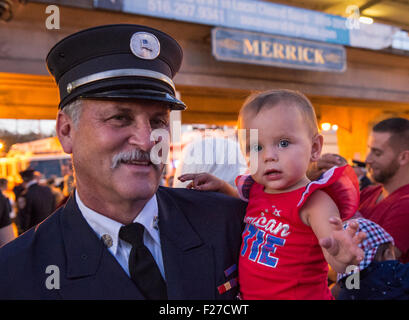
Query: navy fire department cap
[[122, 61]]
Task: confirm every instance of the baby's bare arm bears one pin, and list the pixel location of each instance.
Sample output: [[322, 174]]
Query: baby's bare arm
[[207, 182], [340, 247]]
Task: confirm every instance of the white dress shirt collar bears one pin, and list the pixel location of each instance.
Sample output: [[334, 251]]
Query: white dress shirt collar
[[102, 225]]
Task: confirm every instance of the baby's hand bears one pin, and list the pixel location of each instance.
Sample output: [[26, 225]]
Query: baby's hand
[[202, 181], [207, 182], [342, 245]]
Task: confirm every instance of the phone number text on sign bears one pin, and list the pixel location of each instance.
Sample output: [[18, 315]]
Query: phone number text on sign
[[188, 9]]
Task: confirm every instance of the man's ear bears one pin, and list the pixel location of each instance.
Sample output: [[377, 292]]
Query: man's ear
[[317, 142], [65, 130], [403, 158]]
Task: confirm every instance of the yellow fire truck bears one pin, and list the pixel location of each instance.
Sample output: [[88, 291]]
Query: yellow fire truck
[[43, 155]]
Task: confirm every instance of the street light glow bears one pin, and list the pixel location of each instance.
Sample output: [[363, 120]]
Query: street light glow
[[366, 20], [325, 126]]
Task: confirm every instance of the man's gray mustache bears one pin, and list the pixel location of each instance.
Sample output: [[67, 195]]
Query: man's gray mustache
[[131, 155]]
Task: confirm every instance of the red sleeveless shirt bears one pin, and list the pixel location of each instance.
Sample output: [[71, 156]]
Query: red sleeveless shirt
[[280, 256]]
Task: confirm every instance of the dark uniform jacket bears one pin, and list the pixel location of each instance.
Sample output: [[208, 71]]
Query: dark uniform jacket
[[35, 204], [200, 235], [5, 209]]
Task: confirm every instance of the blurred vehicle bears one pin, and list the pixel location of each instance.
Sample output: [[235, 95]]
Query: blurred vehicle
[[44, 155]]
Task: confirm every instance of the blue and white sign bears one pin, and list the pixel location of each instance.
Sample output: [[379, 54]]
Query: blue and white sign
[[260, 16], [257, 48]]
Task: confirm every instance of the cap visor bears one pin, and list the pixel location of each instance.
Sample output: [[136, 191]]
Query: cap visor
[[174, 104]]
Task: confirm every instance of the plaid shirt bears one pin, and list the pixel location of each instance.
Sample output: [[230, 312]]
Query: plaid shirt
[[375, 236]]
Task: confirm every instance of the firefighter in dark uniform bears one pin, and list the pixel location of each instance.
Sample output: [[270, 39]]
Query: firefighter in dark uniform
[[35, 203], [120, 235]]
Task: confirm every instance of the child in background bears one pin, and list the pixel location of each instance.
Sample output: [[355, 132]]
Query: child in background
[[381, 276], [293, 228]]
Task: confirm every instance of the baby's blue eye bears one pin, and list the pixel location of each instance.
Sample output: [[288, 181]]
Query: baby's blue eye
[[284, 143]]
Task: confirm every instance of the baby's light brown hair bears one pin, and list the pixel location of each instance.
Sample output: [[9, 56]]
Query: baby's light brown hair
[[271, 98]]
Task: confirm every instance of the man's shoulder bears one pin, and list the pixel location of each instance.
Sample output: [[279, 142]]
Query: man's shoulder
[[205, 198], [398, 199], [400, 202], [23, 261], [213, 203], [43, 235], [216, 218], [402, 192]]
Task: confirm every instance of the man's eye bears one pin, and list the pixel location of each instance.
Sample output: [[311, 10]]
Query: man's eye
[[159, 123], [119, 117], [375, 152], [119, 120], [284, 143]]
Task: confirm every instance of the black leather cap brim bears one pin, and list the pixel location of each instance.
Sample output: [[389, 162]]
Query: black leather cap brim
[[140, 94], [126, 88]]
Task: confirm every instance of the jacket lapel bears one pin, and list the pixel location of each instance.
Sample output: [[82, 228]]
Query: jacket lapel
[[188, 262], [91, 270]]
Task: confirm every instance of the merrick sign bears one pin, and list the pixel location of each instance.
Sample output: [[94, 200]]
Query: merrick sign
[[257, 48]]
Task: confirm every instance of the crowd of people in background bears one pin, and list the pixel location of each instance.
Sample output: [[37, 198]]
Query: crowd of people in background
[[28, 203]]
